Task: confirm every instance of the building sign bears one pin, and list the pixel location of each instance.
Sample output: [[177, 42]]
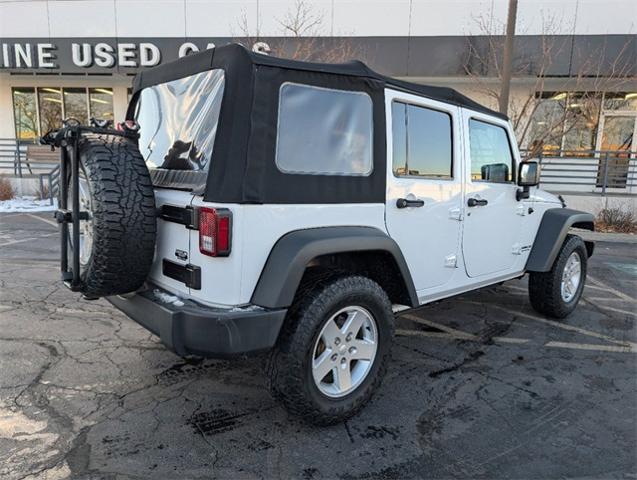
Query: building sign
[[76, 55]]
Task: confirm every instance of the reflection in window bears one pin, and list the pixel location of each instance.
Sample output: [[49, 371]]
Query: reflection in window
[[399, 138], [491, 158], [178, 124], [580, 127], [101, 101], [546, 123], [620, 101], [25, 113], [50, 102], [75, 105], [422, 142]]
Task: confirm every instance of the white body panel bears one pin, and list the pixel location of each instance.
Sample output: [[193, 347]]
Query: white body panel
[[449, 248], [230, 281], [170, 238], [428, 236], [492, 233]]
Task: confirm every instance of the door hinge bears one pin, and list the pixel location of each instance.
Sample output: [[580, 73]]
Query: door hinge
[[455, 214], [188, 274], [451, 261], [187, 216]]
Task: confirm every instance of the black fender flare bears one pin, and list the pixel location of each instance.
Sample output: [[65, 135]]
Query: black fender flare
[[290, 255], [550, 236]]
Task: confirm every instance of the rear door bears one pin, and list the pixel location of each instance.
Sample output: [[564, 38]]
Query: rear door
[[172, 250], [493, 220], [424, 185], [178, 124]]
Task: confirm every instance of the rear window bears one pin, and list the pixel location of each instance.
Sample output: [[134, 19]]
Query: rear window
[[322, 131], [178, 122]]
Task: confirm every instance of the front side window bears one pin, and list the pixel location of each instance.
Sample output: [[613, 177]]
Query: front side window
[[422, 142], [323, 131], [491, 158], [178, 123]]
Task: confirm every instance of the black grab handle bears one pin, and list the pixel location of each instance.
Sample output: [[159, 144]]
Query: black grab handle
[[474, 202], [404, 203]]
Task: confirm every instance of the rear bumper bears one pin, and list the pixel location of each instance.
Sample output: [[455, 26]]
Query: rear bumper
[[194, 329]]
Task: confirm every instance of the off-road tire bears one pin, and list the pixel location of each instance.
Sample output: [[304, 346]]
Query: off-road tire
[[123, 214], [288, 368], [545, 287]]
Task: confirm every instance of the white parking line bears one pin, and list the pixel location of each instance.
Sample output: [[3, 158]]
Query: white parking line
[[514, 340], [606, 299], [451, 336], [45, 220], [13, 242], [609, 289], [618, 310], [439, 326], [566, 326], [591, 346]]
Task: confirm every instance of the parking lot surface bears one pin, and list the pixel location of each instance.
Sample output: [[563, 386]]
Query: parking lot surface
[[480, 386]]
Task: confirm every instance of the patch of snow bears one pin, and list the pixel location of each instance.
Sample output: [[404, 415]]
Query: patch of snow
[[27, 204], [167, 298], [246, 308]]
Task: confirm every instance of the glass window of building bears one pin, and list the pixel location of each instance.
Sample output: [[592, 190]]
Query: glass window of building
[[580, 125], [75, 104], [101, 101], [546, 123], [50, 103], [25, 113]]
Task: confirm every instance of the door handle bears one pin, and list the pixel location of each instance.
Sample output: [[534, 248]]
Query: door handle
[[475, 202], [404, 203]]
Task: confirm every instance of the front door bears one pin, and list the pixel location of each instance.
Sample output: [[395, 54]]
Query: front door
[[493, 221], [424, 185]]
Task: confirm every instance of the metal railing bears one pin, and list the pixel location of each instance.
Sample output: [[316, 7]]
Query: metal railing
[[589, 171], [15, 162]]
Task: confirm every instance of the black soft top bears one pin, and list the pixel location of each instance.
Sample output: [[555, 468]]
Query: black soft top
[[205, 60], [243, 160]]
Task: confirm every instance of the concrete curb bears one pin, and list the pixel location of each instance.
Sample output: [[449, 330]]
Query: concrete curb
[[608, 237]]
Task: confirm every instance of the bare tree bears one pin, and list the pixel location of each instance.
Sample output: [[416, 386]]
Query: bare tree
[[302, 37], [577, 97]]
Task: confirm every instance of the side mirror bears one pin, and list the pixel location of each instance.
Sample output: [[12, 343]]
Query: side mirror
[[528, 176]]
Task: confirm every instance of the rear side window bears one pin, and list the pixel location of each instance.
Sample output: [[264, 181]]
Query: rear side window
[[421, 142], [322, 131], [178, 123], [491, 158]]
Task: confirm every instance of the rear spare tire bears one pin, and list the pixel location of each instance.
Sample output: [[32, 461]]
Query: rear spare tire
[[117, 242]]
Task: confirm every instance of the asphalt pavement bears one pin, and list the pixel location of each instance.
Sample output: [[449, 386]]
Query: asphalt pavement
[[480, 386]]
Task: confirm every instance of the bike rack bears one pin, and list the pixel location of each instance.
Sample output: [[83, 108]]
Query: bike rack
[[67, 140]]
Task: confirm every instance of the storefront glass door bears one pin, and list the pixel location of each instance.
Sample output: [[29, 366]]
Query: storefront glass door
[[618, 138]]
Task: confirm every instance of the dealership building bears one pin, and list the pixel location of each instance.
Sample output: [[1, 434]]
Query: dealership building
[[77, 58]]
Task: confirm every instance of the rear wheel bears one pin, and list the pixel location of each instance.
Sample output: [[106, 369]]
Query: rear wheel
[[333, 350], [557, 292]]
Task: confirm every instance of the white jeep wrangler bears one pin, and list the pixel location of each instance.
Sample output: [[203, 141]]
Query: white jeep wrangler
[[250, 203]]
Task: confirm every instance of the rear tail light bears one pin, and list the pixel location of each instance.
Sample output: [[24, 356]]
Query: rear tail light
[[215, 231]]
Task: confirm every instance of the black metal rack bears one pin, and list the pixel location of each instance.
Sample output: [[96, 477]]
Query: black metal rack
[[67, 140]]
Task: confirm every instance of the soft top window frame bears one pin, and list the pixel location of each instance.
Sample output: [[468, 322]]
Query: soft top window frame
[[366, 173], [244, 170]]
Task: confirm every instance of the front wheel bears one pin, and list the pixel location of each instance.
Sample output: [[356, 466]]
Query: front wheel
[[556, 293], [333, 350]]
